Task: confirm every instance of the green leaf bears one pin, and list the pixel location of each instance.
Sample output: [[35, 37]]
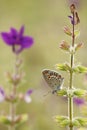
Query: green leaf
[[82, 121], [62, 92], [62, 120], [72, 92], [65, 122], [80, 69], [63, 67], [79, 92], [5, 120], [75, 123], [77, 33]]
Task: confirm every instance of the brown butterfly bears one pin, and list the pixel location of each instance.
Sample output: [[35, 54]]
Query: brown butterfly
[[53, 79]]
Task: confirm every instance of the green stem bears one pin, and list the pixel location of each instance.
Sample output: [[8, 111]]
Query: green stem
[[70, 99], [12, 104]]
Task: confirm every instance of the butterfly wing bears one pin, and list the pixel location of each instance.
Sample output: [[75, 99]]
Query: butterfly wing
[[53, 79]]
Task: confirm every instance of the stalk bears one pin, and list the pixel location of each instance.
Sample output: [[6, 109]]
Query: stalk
[[70, 99], [13, 104]]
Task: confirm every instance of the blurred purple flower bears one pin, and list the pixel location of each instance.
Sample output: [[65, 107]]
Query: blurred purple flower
[[27, 97], [79, 101], [76, 2], [17, 40], [2, 95], [71, 19]]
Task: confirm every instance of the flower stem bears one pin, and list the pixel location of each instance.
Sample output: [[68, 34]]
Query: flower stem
[[70, 99], [13, 104]]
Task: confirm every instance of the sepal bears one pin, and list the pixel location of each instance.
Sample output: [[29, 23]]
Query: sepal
[[62, 120], [67, 31], [80, 69], [63, 67], [11, 98], [62, 92], [79, 121], [79, 92], [64, 46], [78, 46]]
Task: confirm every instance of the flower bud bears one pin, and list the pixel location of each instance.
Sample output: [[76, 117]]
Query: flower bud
[[67, 31], [64, 45]]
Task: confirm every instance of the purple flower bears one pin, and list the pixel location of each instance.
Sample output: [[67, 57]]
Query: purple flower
[[2, 95], [17, 40], [71, 19], [76, 19], [27, 97], [79, 101]]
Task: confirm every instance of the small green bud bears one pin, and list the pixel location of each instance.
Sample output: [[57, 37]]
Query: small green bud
[[62, 120], [80, 69], [82, 121], [79, 92], [63, 67], [62, 92]]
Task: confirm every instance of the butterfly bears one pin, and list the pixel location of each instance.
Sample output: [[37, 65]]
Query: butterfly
[[53, 79]]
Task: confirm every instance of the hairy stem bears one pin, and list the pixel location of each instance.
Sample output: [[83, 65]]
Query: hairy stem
[[70, 100]]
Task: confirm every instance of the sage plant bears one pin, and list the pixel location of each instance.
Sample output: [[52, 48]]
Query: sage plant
[[72, 93], [18, 42]]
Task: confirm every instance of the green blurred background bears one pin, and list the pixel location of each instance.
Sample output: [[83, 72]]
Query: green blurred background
[[44, 21]]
